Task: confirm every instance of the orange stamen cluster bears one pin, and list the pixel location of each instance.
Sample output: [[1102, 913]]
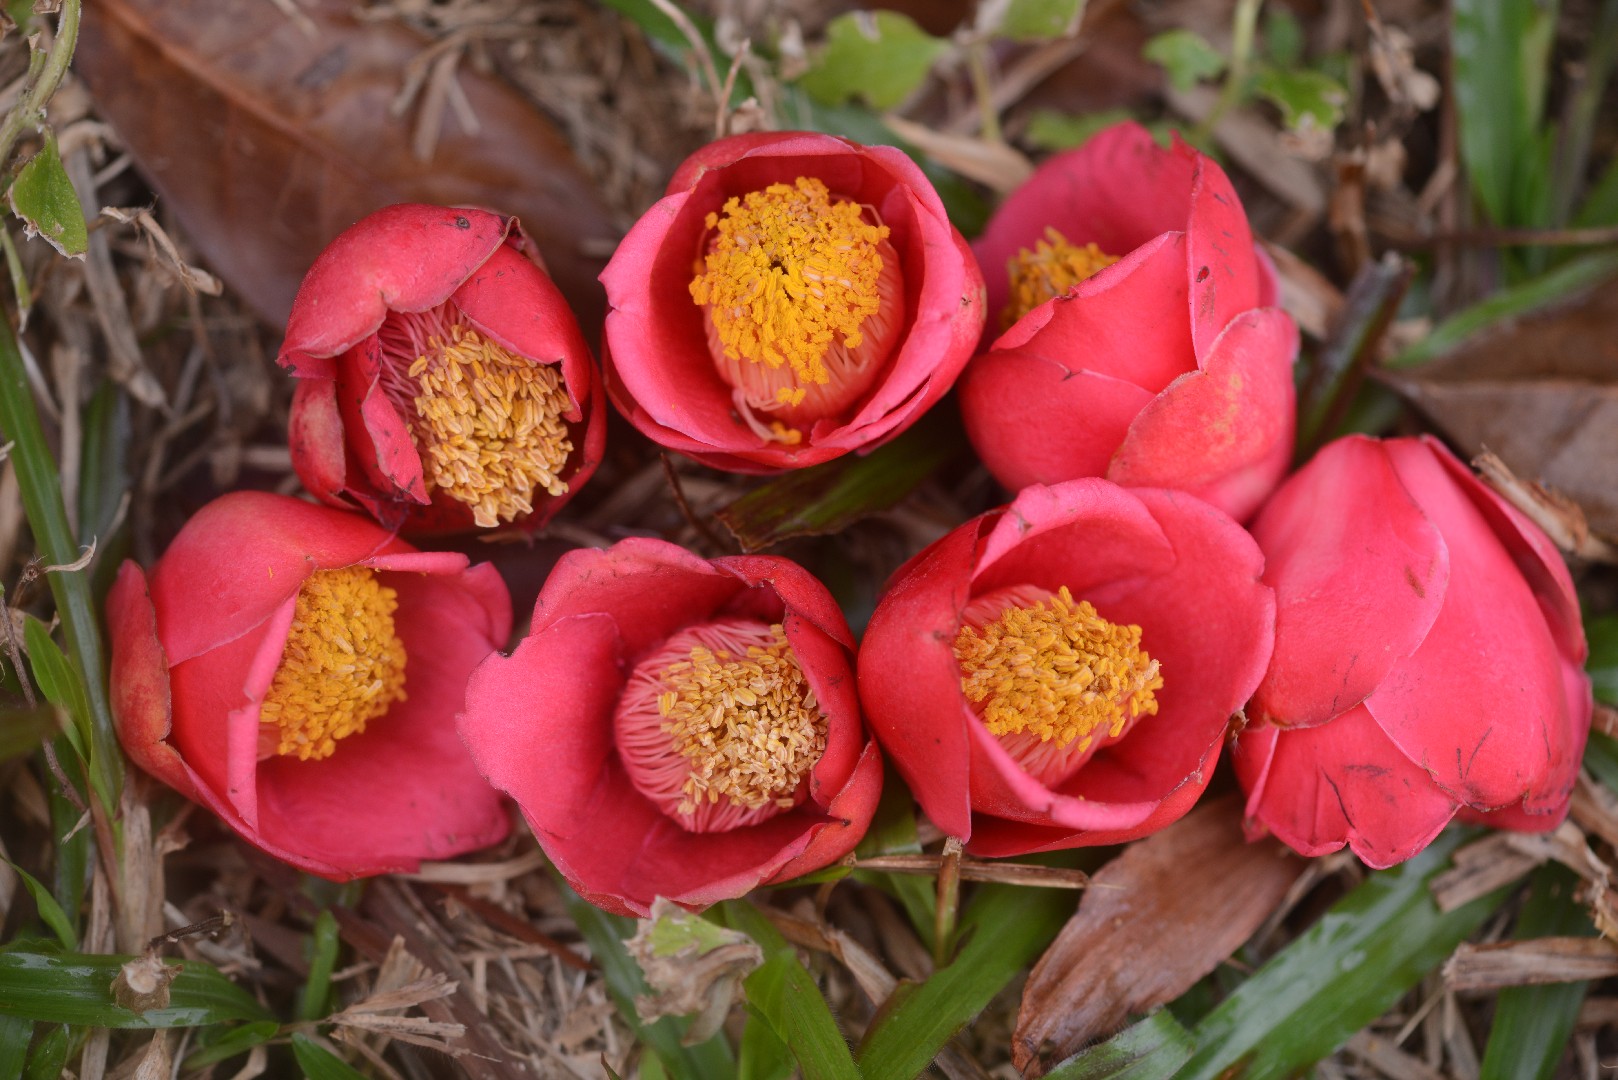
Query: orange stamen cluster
[[1052, 268]]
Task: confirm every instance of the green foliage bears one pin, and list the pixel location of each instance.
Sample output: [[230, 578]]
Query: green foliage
[[1185, 56], [1051, 130], [76, 989], [1283, 37], [1040, 20], [1602, 633], [318, 1063], [43, 196], [59, 683], [221, 1043], [15, 1035], [1153, 1049], [316, 990], [880, 56], [49, 910], [1305, 97]]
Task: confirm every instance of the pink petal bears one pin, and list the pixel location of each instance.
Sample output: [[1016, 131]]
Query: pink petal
[[1223, 266], [1359, 573], [140, 681], [315, 436]]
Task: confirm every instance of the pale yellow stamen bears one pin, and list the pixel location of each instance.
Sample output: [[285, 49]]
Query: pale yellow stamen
[[489, 425], [1057, 672], [789, 274], [749, 727], [1051, 269], [343, 665]]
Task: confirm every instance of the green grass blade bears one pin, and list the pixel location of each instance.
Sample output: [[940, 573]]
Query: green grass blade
[[49, 910], [58, 681], [49, 1056], [1342, 973], [1602, 633], [316, 990], [15, 1034], [1003, 928], [76, 989], [1153, 1049], [1532, 1024], [233, 1041], [782, 994], [318, 1063]]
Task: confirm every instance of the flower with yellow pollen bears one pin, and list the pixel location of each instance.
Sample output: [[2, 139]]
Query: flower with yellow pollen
[[1052, 268], [443, 382], [793, 297]]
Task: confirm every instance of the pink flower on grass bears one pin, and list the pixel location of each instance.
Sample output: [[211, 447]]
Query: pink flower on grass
[[678, 727], [793, 297], [1140, 338], [443, 383], [1429, 658], [1061, 672], [297, 670]]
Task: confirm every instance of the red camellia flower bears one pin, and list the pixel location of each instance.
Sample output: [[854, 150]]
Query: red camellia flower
[[677, 727], [1061, 672], [297, 671], [1429, 658], [444, 384], [1139, 343], [793, 297]]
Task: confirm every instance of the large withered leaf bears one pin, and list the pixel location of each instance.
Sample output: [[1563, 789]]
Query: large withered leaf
[[1542, 393], [268, 138], [1154, 920]]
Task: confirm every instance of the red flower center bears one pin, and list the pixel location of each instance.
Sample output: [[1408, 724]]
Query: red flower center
[[343, 665], [804, 301], [1051, 677], [719, 727], [488, 424], [1052, 268]]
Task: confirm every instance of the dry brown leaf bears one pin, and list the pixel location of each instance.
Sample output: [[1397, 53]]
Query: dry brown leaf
[[1530, 963], [267, 142], [1542, 393], [1154, 921]]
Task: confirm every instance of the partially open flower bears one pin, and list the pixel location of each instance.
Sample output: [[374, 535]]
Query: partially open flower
[[1060, 672], [793, 297], [297, 671], [444, 385], [1139, 340], [1429, 658], [677, 727]]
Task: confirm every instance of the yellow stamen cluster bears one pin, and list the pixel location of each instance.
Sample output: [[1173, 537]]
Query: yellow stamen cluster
[[343, 665], [749, 727], [489, 425], [1057, 671], [1051, 269], [788, 273]]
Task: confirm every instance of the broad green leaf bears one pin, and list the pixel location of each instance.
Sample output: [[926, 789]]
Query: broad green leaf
[[49, 910], [76, 989], [1532, 1024], [316, 990], [1003, 929], [1283, 37], [49, 1055], [44, 198], [711, 1060], [15, 1035], [318, 1063], [1602, 632], [1601, 201], [1340, 974], [1051, 130], [762, 1055], [782, 995], [881, 56], [1306, 98], [59, 682], [1153, 1049], [1185, 56], [233, 1041], [1039, 20]]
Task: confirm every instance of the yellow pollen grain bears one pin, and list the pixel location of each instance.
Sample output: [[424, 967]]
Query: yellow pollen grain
[[1051, 269], [788, 273], [749, 727], [1057, 671], [489, 425], [343, 665]]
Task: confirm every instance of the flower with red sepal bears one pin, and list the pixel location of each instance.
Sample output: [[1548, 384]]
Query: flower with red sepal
[[1061, 672], [1141, 342], [1429, 658], [443, 382], [297, 670], [678, 727], [793, 297]]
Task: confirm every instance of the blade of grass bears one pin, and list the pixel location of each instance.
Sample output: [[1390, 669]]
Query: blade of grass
[[49, 910], [318, 1063], [1153, 1049], [316, 991], [1342, 973], [15, 1034], [72, 867], [49, 1055], [76, 989], [1003, 928], [234, 1041], [1532, 1024]]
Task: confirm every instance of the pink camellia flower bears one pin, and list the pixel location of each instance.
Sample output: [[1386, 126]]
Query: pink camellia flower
[[793, 297], [444, 385], [1428, 658], [297, 670], [1061, 672], [1140, 342], [677, 727]]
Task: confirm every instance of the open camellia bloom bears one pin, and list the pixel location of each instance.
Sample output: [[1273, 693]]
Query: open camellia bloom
[[444, 384], [1140, 342], [1429, 658], [793, 297], [1061, 672], [297, 670], [677, 727]]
